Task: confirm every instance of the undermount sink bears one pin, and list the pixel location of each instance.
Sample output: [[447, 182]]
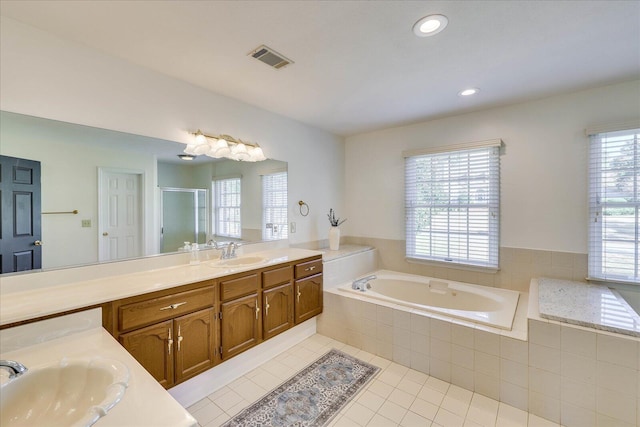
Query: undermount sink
[[69, 392], [244, 261]]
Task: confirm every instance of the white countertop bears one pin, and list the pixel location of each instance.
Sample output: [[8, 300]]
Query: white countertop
[[32, 303], [145, 402]]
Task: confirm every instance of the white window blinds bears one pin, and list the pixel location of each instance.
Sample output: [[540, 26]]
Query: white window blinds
[[453, 206], [614, 203], [274, 206], [227, 207]]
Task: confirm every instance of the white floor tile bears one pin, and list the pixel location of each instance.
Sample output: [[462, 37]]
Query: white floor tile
[[401, 398], [448, 419], [380, 421], [371, 400], [359, 414], [207, 413], [392, 411], [411, 419], [431, 395]]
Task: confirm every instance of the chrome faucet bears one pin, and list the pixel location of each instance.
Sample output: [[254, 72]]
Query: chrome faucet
[[15, 368], [231, 251], [363, 283]]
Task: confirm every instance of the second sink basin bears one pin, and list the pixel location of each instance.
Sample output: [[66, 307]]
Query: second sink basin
[[244, 261], [70, 393]]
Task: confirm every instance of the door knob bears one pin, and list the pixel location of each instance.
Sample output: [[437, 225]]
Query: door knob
[[105, 234], [37, 243]]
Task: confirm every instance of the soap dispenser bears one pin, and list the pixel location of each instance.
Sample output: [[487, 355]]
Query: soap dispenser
[[194, 259]]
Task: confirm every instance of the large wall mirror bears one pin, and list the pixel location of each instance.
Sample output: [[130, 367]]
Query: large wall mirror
[[134, 197]]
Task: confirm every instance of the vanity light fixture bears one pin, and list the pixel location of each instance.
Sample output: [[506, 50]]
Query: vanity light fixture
[[430, 25], [224, 146], [469, 92]]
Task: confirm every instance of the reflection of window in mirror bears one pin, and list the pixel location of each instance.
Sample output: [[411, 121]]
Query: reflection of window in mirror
[[274, 206], [226, 207]]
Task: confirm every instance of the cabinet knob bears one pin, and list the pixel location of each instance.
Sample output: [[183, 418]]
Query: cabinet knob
[[37, 243], [257, 309], [105, 234], [170, 341], [299, 294]]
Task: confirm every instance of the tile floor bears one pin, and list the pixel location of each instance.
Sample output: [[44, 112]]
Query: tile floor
[[397, 396]]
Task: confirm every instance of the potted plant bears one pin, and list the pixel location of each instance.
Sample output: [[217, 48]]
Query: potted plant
[[334, 231]]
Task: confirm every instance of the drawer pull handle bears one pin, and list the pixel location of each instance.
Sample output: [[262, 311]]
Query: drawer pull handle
[[170, 341], [313, 267], [299, 294], [266, 309], [257, 309], [179, 338], [173, 306]]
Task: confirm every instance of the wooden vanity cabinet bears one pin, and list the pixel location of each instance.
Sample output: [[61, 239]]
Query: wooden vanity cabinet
[[277, 297], [152, 347], [308, 290], [178, 333], [240, 317], [172, 334]]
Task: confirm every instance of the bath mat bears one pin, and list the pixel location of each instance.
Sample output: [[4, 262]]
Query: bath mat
[[312, 397]]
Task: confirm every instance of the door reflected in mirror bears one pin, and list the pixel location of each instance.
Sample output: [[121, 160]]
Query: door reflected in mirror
[[71, 156]]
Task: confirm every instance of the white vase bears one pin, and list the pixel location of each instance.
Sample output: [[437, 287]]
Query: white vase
[[334, 238]]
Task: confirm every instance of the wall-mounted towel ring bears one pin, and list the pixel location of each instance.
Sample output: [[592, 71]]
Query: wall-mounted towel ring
[[303, 211]]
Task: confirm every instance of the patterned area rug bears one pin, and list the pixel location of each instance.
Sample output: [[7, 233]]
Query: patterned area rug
[[311, 397]]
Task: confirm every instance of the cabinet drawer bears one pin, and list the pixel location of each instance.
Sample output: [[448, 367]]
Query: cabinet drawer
[[277, 277], [308, 268], [154, 310], [237, 287]]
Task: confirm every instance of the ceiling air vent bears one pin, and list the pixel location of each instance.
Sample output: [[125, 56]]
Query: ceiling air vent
[[270, 57]]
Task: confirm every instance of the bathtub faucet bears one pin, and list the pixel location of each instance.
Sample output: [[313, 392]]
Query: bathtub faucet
[[363, 284]]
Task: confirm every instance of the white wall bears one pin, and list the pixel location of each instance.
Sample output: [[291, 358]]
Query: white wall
[[44, 76], [543, 170]]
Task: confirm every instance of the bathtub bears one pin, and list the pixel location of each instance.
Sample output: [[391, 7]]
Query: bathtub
[[480, 304]]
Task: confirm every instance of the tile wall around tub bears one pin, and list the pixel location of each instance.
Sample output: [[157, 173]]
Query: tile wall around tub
[[517, 266], [567, 374]]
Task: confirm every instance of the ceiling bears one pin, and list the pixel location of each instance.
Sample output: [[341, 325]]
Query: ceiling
[[357, 64]]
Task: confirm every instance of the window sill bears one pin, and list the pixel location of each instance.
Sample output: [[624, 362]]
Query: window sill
[[453, 265]]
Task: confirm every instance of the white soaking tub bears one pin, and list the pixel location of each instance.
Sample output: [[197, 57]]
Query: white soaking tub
[[481, 304]]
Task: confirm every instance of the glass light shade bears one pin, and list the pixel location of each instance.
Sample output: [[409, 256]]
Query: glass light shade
[[256, 155], [220, 149], [239, 152], [201, 149], [200, 138]]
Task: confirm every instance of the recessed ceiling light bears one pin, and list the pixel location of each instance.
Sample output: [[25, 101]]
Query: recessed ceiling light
[[186, 156], [430, 25], [469, 92]]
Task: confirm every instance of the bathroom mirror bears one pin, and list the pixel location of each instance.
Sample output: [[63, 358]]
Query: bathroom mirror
[[81, 166]]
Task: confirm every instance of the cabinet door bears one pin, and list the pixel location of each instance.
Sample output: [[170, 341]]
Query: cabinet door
[[194, 343], [153, 348], [278, 310], [240, 325], [308, 298]]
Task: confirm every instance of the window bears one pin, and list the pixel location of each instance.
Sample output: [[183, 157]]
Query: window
[[227, 207], [274, 206], [452, 205], [614, 204]]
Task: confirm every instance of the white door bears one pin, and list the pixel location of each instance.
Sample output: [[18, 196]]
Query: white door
[[120, 221]]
